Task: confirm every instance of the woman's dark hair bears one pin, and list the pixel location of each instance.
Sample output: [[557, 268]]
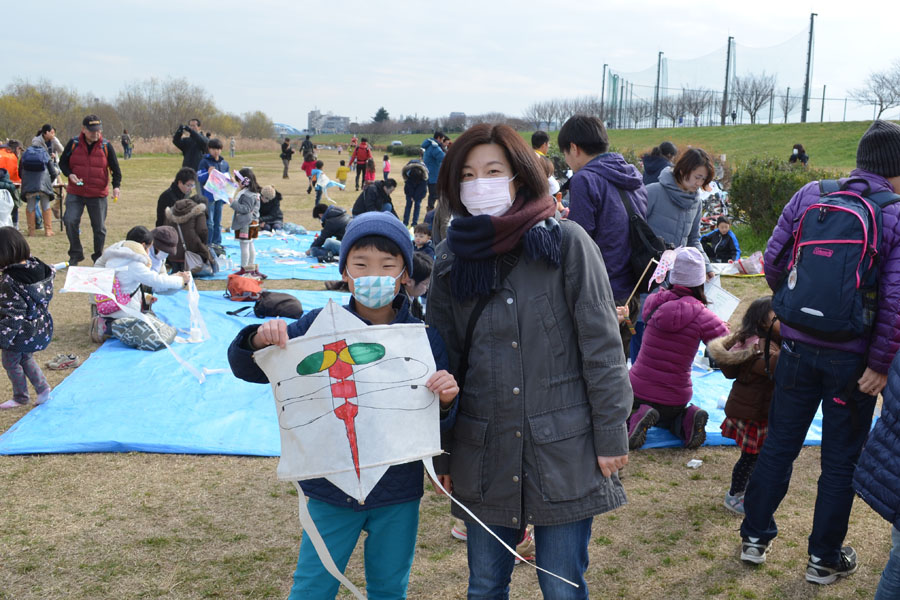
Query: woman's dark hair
[[185, 174], [249, 174], [756, 319], [386, 157], [308, 157], [215, 143], [525, 163], [46, 128], [799, 148], [13, 247], [139, 234], [547, 164], [664, 149], [694, 158], [588, 133]]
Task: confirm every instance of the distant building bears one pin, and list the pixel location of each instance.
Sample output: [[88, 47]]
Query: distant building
[[458, 116], [327, 123]]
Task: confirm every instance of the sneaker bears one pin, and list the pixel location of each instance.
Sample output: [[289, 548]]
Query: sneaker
[[753, 551], [639, 422], [459, 530], [693, 427], [525, 548], [12, 404], [734, 503], [823, 573], [62, 361], [97, 330]]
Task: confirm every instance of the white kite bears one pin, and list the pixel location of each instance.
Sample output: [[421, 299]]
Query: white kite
[[351, 401]]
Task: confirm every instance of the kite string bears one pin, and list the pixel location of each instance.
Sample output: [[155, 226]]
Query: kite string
[[429, 468], [309, 529]]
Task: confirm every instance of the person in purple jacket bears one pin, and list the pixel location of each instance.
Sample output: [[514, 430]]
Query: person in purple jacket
[[596, 205], [845, 377]]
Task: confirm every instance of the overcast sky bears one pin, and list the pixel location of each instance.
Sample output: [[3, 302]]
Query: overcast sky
[[430, 58]]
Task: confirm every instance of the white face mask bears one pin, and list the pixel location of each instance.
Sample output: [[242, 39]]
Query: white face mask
[[486, 196]]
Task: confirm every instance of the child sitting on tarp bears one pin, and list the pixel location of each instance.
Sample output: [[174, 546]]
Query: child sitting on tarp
[[742, 357], [677, 319], [270, 216], [375, 261]]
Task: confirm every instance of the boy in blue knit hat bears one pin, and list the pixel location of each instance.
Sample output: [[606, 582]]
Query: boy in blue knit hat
[[375, 261]]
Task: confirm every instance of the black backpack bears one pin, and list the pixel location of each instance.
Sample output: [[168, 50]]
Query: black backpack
[[645, 245], [830, 286], [273, 304]]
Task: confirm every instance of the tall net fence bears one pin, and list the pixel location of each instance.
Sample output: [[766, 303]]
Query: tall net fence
[[731, 84]]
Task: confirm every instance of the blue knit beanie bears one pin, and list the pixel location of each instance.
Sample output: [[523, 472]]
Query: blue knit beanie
[[377, 223]]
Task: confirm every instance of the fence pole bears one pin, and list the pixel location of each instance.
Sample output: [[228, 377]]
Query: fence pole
[[724, 112], [822, 116]]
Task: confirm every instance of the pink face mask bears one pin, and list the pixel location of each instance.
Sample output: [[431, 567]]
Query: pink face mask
[[486, 196]]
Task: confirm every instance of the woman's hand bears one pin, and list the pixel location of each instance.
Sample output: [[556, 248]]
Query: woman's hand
[[270, 333], [872, 382], [445, 481], [611, 464], [444, 385], [185, 276]]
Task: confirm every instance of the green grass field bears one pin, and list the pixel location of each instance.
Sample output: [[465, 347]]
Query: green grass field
[[829, 145]]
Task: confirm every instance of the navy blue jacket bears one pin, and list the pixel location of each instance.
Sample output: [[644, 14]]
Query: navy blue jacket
[[428, 248], [401, 483], [719, 248], [877, 476], [334, 223]]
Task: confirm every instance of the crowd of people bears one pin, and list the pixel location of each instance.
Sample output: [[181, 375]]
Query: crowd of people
[[509, 268]]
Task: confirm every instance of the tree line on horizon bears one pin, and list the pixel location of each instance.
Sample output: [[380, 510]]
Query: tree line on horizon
[[149, 108]]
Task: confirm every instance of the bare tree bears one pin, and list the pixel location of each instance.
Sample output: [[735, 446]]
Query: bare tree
[[696, 102], [638, 110], [671, 107], [788, 103], [753, 91], [534, 114], [881, 89]]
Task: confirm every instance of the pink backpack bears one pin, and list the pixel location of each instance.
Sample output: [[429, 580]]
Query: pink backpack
[[106, 305]]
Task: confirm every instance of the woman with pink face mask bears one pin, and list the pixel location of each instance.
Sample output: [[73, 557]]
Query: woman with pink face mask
[[524, 305]]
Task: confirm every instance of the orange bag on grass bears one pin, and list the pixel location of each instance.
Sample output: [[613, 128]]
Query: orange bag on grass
[[243, 289]]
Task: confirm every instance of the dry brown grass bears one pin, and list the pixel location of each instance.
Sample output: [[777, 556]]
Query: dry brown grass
[[92, 526], [164, 145]]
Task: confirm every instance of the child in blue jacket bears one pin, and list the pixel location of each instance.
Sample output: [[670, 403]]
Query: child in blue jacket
[[376, 260]]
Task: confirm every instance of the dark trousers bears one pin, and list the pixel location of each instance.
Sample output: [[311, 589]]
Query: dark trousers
[[412, 204], [432, 195], [360, 172], [807, 376], [96, 208], [670, 417]]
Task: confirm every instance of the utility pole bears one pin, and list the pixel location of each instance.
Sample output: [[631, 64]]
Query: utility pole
[[727, 80], [822, 116], [845, 109], [621, 102], [806, 82], [656, 94], [603, 92]]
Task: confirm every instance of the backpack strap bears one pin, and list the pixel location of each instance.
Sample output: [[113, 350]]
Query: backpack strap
[[507, 262], [237, 312], [829, 186], [766, 353]]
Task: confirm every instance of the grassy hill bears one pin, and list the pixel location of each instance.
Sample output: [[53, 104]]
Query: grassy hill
[[829, 145]]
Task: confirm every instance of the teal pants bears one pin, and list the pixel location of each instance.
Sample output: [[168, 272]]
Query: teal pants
[[389, 549]]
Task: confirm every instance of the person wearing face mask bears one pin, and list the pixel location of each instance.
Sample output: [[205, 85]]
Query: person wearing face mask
[[799, 155], [375, 261], [183, 186], [525, 307], [673, 204]]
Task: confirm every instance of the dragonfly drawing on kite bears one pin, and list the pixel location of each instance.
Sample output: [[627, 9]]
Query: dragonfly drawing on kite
[[346, 388]]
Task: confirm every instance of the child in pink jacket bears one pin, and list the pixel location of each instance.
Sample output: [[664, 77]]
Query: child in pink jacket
[[677, 319]]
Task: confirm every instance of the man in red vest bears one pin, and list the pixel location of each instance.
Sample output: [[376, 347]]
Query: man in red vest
[[88, 161]]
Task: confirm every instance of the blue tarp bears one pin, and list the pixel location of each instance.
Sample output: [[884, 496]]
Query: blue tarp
[[281, 256], [123, 400]]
